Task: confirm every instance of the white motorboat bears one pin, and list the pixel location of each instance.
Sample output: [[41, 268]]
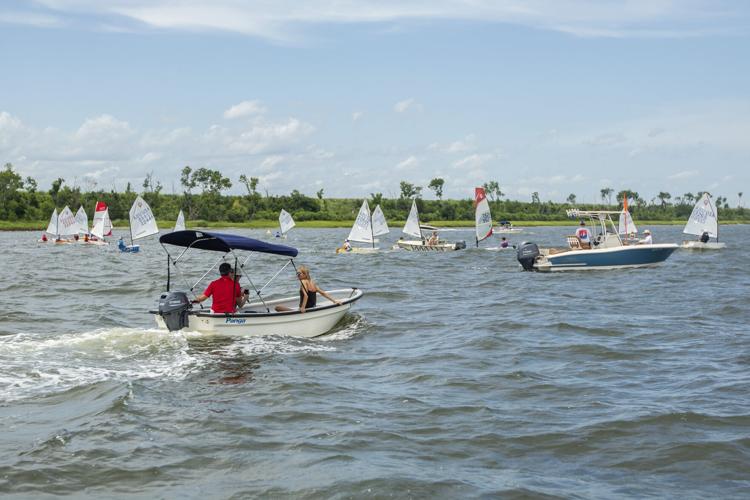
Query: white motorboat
[[257, 318], [506, 227], [365, 229], [704, 223], [412, 228], [606, 251]]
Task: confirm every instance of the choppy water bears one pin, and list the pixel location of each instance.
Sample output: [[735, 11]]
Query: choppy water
[[456, 375]]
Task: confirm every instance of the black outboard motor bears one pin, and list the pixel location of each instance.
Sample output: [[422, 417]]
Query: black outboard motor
[[460, 245], [527, 254], [174, 307]]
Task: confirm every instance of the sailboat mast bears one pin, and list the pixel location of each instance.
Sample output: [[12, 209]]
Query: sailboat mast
[[372, 232]]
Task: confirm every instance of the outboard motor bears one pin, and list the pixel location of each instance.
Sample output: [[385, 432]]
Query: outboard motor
[[173, 308], [460, 245], [527, 254]]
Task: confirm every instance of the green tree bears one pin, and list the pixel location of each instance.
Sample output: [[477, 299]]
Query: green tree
[[10, 184], [571, 199], [535, 198], [55, 189], [31, 185], [664, 197], [739, 199], [632, 196], [253, 197], [436, 185], [492, 189], [606, 194], [377, 198], [409, 190]]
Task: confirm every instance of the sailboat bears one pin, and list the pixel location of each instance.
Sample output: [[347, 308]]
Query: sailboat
[[703, 222], [412, 228], [626, 228], [142, 224], [482, 217], [286, 222], [83, 221], [365, 229], [180, 224], [62, 224], [102, 225]]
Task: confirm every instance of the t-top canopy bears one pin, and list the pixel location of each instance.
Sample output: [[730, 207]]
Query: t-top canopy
[[220, 242]]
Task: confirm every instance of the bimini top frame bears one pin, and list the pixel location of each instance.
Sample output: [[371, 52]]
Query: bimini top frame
[[225, 243]]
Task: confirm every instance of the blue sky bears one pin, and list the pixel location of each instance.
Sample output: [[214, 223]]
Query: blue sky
[[553, 96]]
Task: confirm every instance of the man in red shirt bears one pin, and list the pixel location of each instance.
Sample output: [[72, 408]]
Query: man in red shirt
[[221, 291]]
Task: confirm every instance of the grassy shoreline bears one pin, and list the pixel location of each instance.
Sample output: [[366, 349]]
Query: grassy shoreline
[[327, 224]]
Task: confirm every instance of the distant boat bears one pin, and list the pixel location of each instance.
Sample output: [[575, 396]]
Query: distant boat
[[102, 225], [506, 227], [626, 228], [83, 220], [606, 251], [365, 229], [62, 224], [142, 224], [482, 217], [703, 222], [286, 222], [180, 224], [412, 228]]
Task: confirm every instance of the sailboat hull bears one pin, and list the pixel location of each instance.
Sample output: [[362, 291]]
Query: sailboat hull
[[365, 250], [699, 245], [421, 246]]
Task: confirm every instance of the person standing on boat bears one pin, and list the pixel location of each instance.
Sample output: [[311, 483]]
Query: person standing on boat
[[647, 239], [225, 292], [584, 234], [308, 292]]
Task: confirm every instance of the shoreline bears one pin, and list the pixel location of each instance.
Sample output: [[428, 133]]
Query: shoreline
[[330, 224]]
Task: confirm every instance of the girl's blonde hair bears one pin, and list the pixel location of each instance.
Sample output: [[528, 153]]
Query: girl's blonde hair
[[304, 270]]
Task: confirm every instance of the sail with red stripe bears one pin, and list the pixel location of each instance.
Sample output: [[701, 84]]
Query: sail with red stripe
[[102, 224], [482, 215]]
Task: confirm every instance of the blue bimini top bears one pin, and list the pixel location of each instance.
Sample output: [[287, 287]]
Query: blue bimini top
[[220, 242]]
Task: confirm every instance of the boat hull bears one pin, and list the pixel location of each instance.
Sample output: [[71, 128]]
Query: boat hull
[[420, 246], [254, 320], [606, 258], [358, 250], [699, 245]]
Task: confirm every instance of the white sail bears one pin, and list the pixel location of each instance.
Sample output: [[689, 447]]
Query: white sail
[[412, 222], [362, 228], [482, 217], [704, 218], [379, 224], [102, 225], [626, 225], [180, 224], [142, 221], [285, 221], [66, 223], [83, 220], [52, 226]]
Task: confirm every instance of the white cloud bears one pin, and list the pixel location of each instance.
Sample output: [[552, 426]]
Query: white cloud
[[408, 163], [357, 115], [473, 161], [464, 145], [285, 20], [245, 108], [402, 106], [271, 161], [685, 174]]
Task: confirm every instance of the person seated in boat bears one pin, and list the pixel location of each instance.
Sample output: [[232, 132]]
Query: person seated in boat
[[85, 238], [121, 244], [704, 237], [44, 237], [504, 242], [347, 247], [433, 239], [308, 292], [647, 239], [75, 237], [584, 234], [223, 299]]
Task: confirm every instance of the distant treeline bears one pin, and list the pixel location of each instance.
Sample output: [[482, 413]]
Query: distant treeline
[[202, 199]]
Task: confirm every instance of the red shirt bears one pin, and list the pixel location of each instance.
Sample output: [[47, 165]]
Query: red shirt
[[221, 292]]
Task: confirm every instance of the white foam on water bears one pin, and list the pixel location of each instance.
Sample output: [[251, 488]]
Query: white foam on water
[[32, 365], [346, 332]]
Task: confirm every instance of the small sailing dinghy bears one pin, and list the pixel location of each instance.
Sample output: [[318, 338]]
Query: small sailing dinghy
[[142, 224], [180, 224], [412, 228], [61, 225], [102, 225], [626, 228], [365, 229], [482, 217], [82, 219], [286, 222], [257, 318], [704, 223]]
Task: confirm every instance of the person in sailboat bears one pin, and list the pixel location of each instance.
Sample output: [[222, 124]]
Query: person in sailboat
[[647, 239], [223, 300], [44, 238], [308, 292], [584, 234], [704, 237], [347, 246], [504, 243]]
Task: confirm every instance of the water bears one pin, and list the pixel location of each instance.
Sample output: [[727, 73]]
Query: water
[[456, 375]]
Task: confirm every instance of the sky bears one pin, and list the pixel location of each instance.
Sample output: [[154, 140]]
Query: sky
[[557, 97]]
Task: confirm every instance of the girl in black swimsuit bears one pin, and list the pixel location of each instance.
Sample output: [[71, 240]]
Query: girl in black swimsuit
[[308, 292]]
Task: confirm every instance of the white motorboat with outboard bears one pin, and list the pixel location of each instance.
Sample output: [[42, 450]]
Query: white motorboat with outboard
[[260, 316], [606, 250], [412, 228], [704, 223], [506, 227]]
